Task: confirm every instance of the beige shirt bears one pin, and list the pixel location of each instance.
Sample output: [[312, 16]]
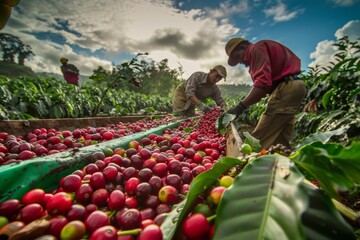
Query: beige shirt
[[196, 85]]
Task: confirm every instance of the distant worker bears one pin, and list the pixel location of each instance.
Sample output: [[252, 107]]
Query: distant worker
[[70, 72], [275, 70], [200, 85]]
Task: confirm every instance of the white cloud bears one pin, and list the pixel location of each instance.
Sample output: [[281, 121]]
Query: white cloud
[[325, 49], [194, 38], [344, 3], [227, 8], [322, 55], [239, 75], [350, 29], [280, 13]]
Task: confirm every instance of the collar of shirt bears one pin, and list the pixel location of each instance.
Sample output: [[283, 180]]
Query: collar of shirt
[[247, 54], [204, 79]]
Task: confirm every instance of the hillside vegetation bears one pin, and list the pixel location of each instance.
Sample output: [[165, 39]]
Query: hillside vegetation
[[15, 70], [234, 91]]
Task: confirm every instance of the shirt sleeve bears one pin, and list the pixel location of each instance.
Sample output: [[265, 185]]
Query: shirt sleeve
[[191, 84], [218, 98], [260, 68], [73, 68], [63, 69]]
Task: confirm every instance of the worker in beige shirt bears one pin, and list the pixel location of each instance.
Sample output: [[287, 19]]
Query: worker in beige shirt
[[200, 85]]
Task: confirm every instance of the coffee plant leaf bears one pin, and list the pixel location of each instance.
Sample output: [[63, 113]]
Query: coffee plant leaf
[[321, 215], [334, 166], [223, 121], [323, 137], [326, 98], [260, 203], [253, 142]]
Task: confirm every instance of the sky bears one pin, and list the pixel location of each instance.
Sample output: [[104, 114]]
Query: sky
[[189, 33]]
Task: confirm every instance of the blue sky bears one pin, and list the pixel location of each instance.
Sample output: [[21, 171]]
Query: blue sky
[[189, 33]]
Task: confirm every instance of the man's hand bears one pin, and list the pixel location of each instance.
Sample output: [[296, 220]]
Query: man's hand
[[204, 108], [237, 110]]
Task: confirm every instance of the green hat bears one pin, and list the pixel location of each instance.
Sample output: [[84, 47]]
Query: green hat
[[221, 71]]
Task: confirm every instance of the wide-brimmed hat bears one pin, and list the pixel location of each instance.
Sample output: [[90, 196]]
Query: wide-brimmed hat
[[230, 46], [63, 60], [221, 71]]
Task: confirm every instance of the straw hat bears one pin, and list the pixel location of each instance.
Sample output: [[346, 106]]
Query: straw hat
[[63, 60], [231, 45]]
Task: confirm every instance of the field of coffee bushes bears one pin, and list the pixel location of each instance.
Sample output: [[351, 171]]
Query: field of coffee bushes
[[176, 178], [29, 98]]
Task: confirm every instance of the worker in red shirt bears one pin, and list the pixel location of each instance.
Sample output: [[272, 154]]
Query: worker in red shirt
[[274, 70], [70, 72]]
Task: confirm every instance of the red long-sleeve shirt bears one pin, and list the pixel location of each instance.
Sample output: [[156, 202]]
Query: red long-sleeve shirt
[[269, 61], [71, 73]]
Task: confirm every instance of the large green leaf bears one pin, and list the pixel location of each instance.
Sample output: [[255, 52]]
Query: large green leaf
[[252, 195], [330, 119], [223, 121], [322, 136], [321, 216], [351, 157], [265, 201], [253, 142], [197, 187], [326, 97], [334, 166]]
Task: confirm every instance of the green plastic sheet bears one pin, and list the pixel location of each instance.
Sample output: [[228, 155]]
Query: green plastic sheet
[[45, 172]]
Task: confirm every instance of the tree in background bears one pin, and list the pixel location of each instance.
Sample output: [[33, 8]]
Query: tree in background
[[11, 47], [23, 53], [116, 78], [143, 76], [158, 78], [336, 86]]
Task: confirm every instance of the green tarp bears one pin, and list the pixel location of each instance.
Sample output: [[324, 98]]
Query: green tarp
[[45, 172]]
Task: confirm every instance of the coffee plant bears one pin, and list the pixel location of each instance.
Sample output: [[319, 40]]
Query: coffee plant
[[31, 98]]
